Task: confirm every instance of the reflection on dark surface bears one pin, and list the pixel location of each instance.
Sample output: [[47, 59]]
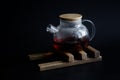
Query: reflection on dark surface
[[83, 72], [92, 71]]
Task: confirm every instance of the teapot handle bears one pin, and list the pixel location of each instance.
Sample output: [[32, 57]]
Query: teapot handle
[[93, 28]]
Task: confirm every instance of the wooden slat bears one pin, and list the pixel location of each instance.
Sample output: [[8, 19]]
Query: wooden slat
[[39, 56], [70, 57], [95, 51], [83, 54], [60, 64]]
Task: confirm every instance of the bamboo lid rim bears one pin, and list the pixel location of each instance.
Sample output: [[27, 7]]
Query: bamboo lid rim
[[70, 16]]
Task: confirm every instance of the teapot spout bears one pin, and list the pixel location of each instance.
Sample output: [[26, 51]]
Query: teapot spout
[[51, 29]]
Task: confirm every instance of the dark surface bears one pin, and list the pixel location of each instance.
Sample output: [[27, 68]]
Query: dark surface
[[27, 22], [93, 71]]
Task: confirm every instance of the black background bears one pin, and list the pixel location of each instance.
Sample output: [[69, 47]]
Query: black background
[[27, 22]]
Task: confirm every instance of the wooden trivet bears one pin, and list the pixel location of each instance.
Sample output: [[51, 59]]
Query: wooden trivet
[[68, 58]]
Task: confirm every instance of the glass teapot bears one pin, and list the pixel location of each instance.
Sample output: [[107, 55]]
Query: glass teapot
[[71, 34]]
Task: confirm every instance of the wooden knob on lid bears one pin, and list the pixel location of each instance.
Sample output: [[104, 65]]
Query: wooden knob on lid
[[70, 16]]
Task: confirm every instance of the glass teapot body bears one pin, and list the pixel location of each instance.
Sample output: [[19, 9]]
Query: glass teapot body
[[71, 34]]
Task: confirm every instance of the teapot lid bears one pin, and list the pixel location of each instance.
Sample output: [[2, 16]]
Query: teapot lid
[[70, 16]]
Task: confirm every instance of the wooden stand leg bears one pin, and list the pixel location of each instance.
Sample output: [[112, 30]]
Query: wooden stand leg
[[95, 51], [83, 54]]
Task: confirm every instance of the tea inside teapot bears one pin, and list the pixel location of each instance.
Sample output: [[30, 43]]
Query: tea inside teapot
[[64, 45]]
